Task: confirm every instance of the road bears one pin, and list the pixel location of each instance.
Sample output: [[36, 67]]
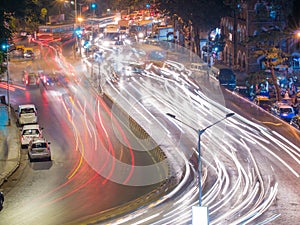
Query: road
[[82, 180], [250, 161]]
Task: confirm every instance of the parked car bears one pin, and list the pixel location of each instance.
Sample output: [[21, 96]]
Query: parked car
[[295, 122], [283, 110], [39, 148], [29, 132], [26, 114]]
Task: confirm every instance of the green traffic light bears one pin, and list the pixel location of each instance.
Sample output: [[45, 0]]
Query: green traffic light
[[5, 46]]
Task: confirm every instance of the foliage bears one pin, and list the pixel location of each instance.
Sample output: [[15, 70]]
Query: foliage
[[205, 15], [268, 45], [10, 11]]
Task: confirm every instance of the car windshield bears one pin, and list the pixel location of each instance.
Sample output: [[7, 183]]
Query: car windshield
[[31, 132], [286, 110], [39, 145], [27, 110]]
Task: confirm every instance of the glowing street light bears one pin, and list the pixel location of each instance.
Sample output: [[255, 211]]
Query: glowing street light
[[80, 19], [200, 213]]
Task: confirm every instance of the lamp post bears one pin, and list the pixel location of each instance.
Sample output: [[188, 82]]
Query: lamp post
[[6, 47], [200, 213], [75, 6]]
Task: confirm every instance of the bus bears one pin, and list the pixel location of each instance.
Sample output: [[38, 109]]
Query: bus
[[55, 32], [224, 75]]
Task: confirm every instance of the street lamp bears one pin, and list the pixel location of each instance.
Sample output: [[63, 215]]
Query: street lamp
[[200, 213], [6, 47], [75, 8]]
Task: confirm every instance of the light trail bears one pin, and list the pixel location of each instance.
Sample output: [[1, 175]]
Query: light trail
[[237, 188]]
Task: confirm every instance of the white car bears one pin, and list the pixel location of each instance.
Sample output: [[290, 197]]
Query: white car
[[39, 148], [27, 114], [29, 132]]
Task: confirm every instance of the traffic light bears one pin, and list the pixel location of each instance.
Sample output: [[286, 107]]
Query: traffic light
[[148, 5], [93, 5], [5, 46]]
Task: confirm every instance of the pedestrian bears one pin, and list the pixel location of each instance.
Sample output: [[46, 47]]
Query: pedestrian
[[286, 95]]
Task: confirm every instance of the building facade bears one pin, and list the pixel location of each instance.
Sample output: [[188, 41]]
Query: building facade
[[248, 19]]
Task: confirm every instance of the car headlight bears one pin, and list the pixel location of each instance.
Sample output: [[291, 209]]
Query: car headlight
[[105, 43], [140, 35]]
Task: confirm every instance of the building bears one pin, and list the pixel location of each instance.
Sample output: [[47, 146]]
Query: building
[[249, 18]]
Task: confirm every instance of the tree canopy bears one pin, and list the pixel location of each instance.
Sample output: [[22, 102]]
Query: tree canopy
[[204, 15]]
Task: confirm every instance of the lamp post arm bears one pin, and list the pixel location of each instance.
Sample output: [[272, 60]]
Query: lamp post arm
[[213, 124]]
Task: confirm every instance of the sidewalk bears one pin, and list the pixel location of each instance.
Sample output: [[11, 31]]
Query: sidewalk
[[9, 149]]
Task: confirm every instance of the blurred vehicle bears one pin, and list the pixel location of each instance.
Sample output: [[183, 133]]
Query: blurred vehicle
[[17, 53], [23, 33], [49, 80], [241, 90], [263, 101], [283, 110], [39, 148], [29, 132], [31, 79], [124, 29], [62, 79], [20, 47], [26, 114], [112, 28], [295, 122], [225, 75], [109, 39], [28, 53], [12, 47], [152, 40]]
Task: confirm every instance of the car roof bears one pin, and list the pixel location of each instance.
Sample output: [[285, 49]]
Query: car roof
[[285, 106], [31, 126], [26, 106], [262, 97]]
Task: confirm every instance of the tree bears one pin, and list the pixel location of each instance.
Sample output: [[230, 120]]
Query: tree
[[268, 45], [201, 15], [8, 11]]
